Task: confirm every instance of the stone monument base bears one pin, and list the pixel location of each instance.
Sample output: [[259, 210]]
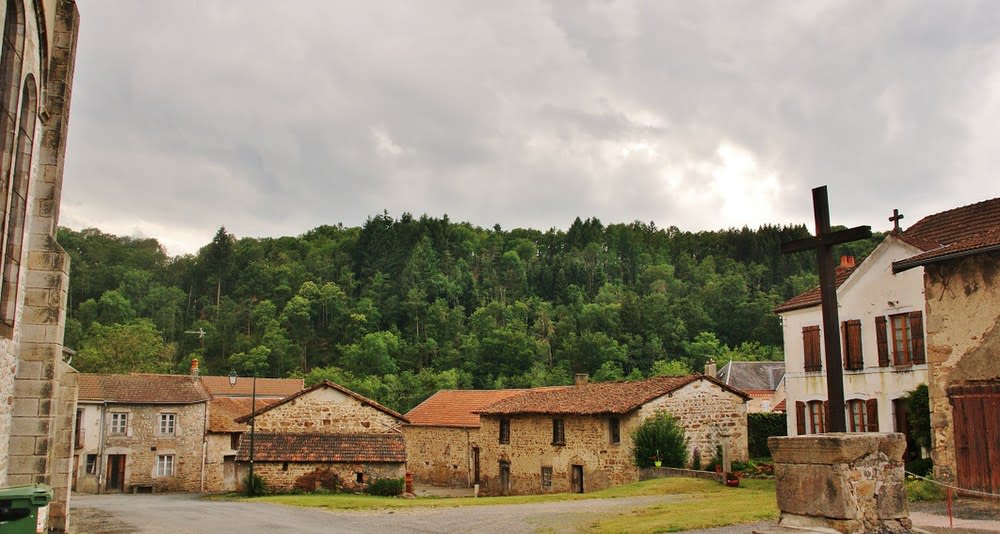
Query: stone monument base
[[846, 483]]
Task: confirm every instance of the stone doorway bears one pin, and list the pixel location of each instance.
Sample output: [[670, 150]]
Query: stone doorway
[[229, 472], [116, 472], [475, 465], [576, 482], [504, 478]]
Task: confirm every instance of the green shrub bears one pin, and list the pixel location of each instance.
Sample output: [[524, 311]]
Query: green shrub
[[386, 487], [659, 437], [761, 426], [255, 486], [923, 490]]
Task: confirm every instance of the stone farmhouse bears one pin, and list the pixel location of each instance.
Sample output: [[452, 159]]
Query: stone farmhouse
[[146, 432], [764, 382], [443, 441], [578, 438], [962, 291], [324, 431], [140, 432], [37, 386], [882, 342]]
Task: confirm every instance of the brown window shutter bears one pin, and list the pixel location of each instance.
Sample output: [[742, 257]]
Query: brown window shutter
[[917, 333], [872, 406], [845, 346], [810, 345], [800, 418], [881, 338], [853, 358]]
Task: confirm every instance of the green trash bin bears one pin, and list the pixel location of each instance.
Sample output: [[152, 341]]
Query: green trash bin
[[19, 507]]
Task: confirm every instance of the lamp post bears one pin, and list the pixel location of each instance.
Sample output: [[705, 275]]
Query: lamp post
[[253, 408]]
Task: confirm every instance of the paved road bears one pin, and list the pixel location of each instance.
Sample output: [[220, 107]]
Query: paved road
[[189, 514]]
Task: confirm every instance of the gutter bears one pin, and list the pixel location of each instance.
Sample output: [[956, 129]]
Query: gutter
[[204, 446], [100, 449]]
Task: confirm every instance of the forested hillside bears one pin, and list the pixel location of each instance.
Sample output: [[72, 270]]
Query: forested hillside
[[401, 307]]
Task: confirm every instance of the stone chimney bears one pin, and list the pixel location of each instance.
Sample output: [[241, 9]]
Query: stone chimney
[[846, 262], [194, 367], [710, 368], [580, 379]]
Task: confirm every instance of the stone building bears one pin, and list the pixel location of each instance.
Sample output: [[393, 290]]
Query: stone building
[[37, 388], [230, 402], [962, 290], [579, 438], [764, 382], [324, 431], [881, 337], [140, 432], [442, 439]]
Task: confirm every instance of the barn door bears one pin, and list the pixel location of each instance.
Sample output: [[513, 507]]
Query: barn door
[[976, 414], [116, 472], [577, 479]]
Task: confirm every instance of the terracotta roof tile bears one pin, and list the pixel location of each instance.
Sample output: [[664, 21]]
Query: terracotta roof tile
[[781, 406], [369, 447], [142, 389], [982, 242], [223, 412], [338, 387], [811, 297], [958, 224], [456, 407], [219, 386], [597, 397]]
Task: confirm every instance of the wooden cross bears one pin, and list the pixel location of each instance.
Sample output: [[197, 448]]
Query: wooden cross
[[823, 245], [896, 216]]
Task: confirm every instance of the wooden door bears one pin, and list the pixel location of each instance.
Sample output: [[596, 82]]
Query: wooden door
[[475, 465], [576, 482], [504, 478], [229, 472], [116, 472], [976, 415]]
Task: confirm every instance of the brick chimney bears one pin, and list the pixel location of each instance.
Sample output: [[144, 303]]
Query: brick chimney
[[846, 262], [710, 368], [194, 367], [580, 379]]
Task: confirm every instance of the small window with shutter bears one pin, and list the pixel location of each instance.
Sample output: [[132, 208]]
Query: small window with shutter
[[810, 344], [853, 357]]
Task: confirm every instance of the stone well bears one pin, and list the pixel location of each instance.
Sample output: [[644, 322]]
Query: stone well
[[850, 483]]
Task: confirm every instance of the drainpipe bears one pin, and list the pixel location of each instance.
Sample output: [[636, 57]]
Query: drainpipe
[[100, 448]]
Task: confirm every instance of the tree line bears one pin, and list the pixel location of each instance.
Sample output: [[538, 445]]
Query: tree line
[[401, 307]]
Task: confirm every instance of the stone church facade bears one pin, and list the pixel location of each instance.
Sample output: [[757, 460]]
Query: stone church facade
[[37, 386]]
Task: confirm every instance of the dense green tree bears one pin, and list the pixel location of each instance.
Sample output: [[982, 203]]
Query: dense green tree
[[134, 346]]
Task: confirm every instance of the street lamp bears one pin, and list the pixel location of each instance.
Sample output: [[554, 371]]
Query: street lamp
[[253, 408]]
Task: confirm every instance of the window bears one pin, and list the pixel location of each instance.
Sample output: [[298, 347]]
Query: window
[[862, 415], [18, 194], [234, 440], [119, 423], [504, 430], [284, 466], [853, 357], [558, 432], [546, 478], [907, 334], [168, 423], [901, 416], [91, 464], [615, 430], [810, 417], [359, 477], [165, 465], [10, 78], [810, 343]]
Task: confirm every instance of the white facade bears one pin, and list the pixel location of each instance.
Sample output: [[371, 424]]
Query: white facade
[[870, 292]]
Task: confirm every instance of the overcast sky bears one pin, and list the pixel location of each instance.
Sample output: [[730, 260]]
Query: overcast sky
[[272, 118]]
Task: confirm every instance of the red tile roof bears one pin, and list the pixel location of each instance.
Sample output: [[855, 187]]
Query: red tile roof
[[780, 407], [219, 386], [456, 407], [328, 384], [223, 412], [142, 389], [954, 233], [597, 397], [369, 447], [812, 297]]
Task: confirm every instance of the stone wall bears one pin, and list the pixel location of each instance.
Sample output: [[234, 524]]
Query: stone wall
[[441, 456], [142, 443], [280, 477], [219, 447], [963, 340], [325, 410]]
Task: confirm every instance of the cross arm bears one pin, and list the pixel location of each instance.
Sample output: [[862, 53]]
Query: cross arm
[[827, 240]]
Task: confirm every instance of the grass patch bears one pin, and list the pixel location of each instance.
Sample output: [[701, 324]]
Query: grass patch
[[923, 490], [714, 506]]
